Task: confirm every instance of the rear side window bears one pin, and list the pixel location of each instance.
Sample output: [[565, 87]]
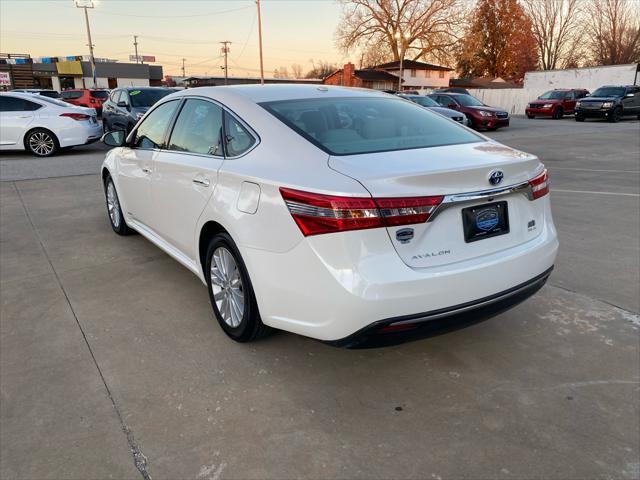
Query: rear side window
[[72, 94], [99, 94], [345, 126], [13, 104], [150, 134], [198, 128], [238, 140]]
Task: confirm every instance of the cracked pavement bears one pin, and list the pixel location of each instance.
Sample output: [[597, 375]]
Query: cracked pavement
[[112, 366]]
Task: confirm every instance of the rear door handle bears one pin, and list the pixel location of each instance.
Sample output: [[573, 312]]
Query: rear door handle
[[201, 181]]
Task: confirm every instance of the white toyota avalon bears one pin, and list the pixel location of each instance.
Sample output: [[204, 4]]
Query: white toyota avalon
[[341, 214]]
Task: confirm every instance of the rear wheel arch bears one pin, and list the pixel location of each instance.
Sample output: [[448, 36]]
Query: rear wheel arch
[[207, 232], [31, 130]]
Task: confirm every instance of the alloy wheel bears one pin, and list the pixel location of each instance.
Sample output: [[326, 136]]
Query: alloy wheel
[[226, 284], [41, 143], [113, 205]]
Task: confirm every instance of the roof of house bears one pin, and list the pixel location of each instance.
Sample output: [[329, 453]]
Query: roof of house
[[372, 75], [413, 65]]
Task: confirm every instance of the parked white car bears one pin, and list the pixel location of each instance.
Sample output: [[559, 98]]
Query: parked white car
[[43, 125], [341, 214]]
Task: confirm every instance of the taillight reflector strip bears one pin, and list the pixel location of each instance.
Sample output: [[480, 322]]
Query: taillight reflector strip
[[540, 184], [316, 213]]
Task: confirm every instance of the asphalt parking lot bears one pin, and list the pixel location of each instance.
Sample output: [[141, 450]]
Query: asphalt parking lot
[[112, 365]]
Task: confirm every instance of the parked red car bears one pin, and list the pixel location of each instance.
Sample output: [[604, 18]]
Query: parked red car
[[555, 103], [478, 114], [85, 97]]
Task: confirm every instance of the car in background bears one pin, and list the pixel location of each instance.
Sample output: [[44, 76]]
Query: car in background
[[454, 90], [555, 103], [611, 102], [125, 106], [431, 104], [479, 115], [85, 97], [43, 125], [341, 214], [38, 91]]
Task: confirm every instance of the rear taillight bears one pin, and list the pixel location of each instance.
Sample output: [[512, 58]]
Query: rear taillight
[[92, 100], [315, 213], [540, 184], [76, 116]]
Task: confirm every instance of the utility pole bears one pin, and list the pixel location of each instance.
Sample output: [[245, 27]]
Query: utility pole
[[183, 74], [135, 45], [88, 4], [260, 42], [225, 50]]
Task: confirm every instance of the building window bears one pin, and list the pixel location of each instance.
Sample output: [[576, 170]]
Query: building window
[[441, 74], [413, 72], [427, 73]]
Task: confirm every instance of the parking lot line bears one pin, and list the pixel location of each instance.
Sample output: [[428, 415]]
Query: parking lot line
[[595, 170], [597, 193]]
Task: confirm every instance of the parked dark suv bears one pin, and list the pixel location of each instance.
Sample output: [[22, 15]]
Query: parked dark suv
[[555, 103], [611, 102], [478, 114], [126, 106]]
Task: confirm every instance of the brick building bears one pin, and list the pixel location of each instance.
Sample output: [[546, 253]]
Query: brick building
[[369, 78]]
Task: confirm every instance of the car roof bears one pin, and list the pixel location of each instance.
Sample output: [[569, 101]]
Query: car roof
[[138, 88], [275, 92]]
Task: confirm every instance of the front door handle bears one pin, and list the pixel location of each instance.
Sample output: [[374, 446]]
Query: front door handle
[[146, 170], [201, 181]]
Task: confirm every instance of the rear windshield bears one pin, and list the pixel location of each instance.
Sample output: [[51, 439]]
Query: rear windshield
[[99, 94], [347, 126], [50, 94], [146, 98], [608, 92]]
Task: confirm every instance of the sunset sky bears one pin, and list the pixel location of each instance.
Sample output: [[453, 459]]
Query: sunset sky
[[294, 31]]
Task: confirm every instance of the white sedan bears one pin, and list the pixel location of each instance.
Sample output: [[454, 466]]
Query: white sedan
[[341, 214], [43, 125]]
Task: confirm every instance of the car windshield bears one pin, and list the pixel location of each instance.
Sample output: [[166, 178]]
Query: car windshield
[[99, 94], [346, 126], [147, 97], [424, 101], [468, 101], [608, 92], [553, 94]]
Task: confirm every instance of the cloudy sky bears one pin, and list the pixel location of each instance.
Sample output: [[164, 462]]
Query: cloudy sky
[[294, 31]]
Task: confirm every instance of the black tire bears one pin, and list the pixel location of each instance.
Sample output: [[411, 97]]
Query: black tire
[[250, 325], [579, 118], [116, 219], [615, 116], [531, 116], [558, 113], [41, 142]]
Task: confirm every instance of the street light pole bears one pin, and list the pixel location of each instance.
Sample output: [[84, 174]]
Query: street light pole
[[85, 5], [135, 46], [225, 51], [260, 42]]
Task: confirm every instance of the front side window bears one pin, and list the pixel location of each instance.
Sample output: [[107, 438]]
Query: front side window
[[198, 128], [237, 138], [150, 134], [552, 95], [568, 96], [346, 126], [13, 104]]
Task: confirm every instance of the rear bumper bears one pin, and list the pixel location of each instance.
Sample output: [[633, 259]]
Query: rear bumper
[[400, 329], [332, 286]]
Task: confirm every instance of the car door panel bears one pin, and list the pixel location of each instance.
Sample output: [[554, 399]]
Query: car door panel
[[186, 173], [16, 116]]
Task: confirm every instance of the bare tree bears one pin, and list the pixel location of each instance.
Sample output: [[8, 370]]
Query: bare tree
[[420, 28], [321, 69], [296, 70], [555, 26], [281, 72], [614, 31]]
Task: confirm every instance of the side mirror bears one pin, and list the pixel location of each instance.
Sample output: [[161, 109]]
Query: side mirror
[[587, 94], [114, 138], [629, 95]]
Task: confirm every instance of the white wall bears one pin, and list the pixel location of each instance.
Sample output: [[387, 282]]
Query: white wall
[[133, 82], [589, 78], [513, 100]]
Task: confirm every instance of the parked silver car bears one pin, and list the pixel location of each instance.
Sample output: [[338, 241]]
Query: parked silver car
[[431, 104]]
